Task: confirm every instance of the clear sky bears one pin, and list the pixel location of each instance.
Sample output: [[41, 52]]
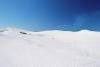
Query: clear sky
[[50, 14]]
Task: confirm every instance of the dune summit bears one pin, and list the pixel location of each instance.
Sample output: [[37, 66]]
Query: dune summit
[[20, 48]]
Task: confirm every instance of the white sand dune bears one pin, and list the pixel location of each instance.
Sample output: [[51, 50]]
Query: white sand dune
[[19, 48]]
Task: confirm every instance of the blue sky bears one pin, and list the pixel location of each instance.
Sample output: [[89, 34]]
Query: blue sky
[[50, 14]]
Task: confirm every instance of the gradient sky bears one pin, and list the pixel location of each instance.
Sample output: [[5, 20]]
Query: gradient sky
[[50, 14]]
